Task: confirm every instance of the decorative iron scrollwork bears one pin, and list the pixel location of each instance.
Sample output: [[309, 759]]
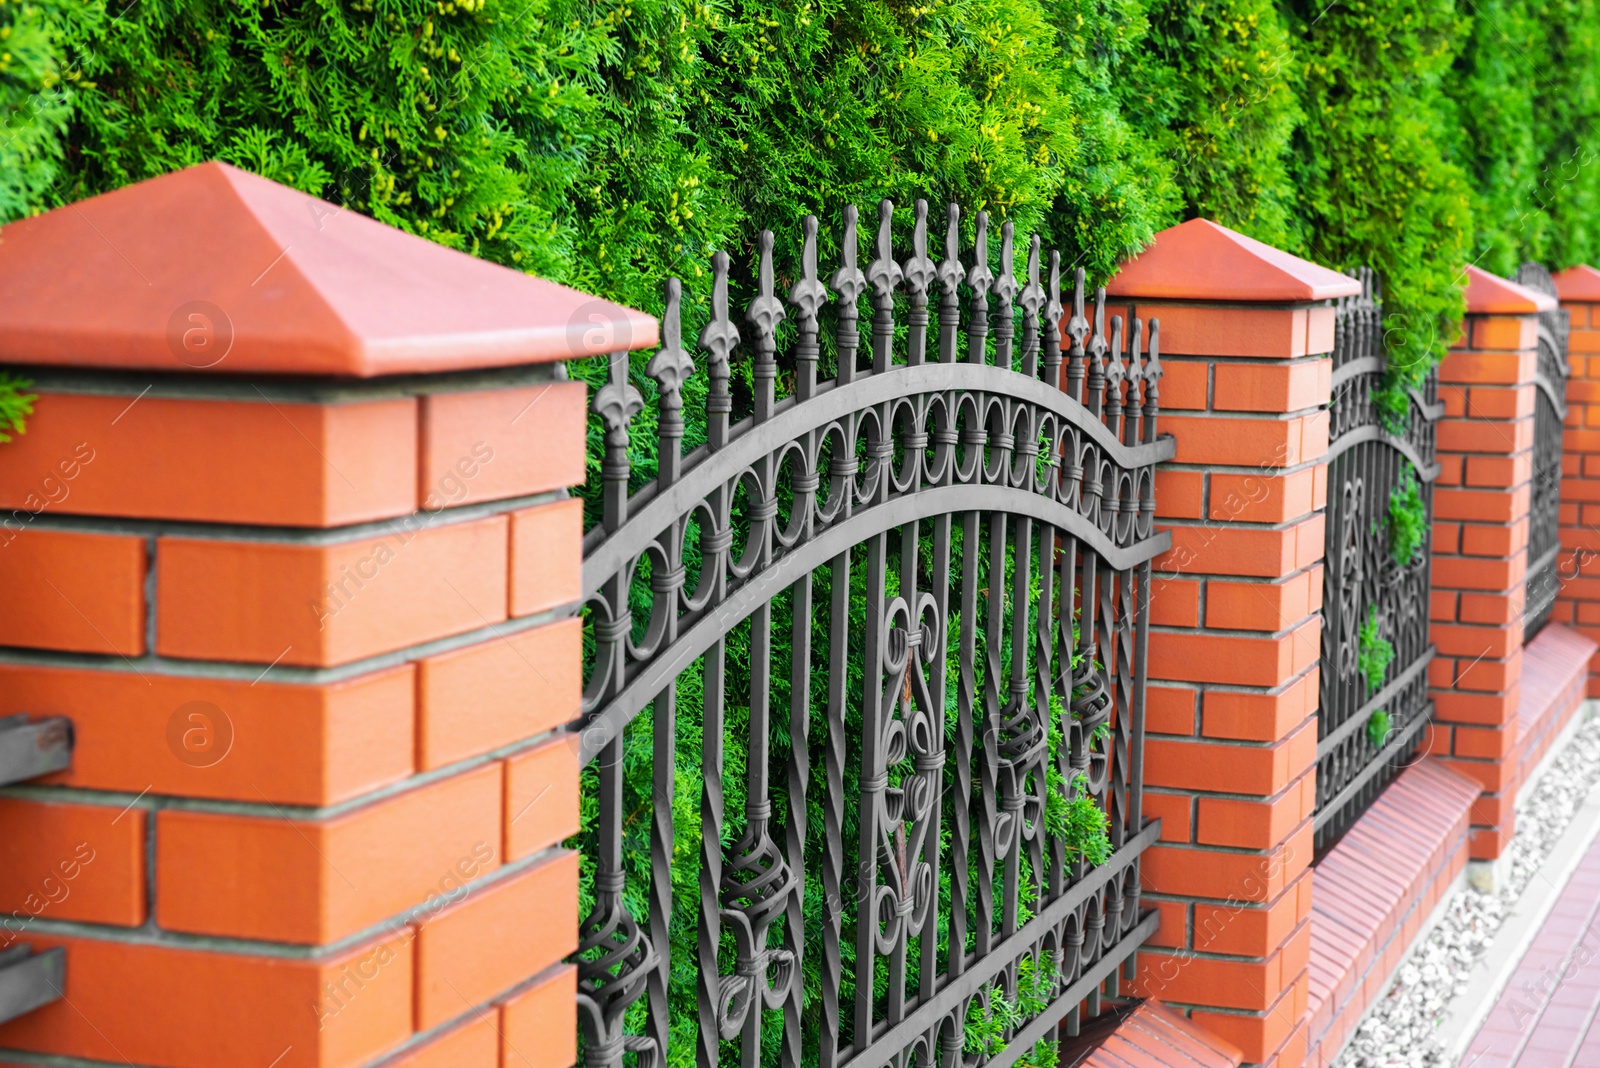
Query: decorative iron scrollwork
[[1549, 414], [1377, 456], [980, 534]]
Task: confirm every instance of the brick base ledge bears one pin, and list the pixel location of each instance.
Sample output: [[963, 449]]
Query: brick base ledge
[[1147, 1034], [1555, 676], [1371, 894]]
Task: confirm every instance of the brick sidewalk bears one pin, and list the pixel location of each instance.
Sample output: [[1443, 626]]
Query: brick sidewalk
[[1545, 1017]]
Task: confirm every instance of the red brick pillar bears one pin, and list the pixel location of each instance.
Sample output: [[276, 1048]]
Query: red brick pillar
[[1578, 603], [1230, 757], [1480, 540], [288, 539]]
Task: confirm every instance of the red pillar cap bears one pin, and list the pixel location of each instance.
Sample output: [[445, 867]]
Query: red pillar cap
[[216, 270], [1489, 294], [1200, 260], [1580, 283]]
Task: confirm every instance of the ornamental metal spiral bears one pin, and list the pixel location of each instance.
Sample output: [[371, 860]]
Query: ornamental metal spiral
[[1367, 728], [1549, 414], [871, 878]]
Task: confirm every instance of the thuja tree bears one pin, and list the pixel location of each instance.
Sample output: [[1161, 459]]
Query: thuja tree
[[1494, 133], [1566, 115], [1004, 106], [1216, 87], [1374, 183], [36, 87]]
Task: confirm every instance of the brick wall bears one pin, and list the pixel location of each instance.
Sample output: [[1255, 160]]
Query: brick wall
[[315, 637], [1230, 754], [1480, 539], [1578, 602]]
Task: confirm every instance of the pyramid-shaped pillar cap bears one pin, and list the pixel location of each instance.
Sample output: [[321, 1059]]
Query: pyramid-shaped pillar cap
[[216, 270], [1580, 284], [1489, 294], [1200, 260]]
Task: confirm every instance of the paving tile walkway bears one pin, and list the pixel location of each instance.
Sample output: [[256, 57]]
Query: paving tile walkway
[[1548, 1016]]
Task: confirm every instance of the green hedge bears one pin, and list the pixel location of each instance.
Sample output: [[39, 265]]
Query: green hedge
[[1375, 184], [609, 144], [1217, 88]]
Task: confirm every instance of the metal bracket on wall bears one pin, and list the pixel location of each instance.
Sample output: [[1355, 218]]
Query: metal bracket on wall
[[30, 748], [29, 980]]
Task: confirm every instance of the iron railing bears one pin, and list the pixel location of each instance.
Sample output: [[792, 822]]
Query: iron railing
[[1376, 577], [1549, 414], [848, 658]]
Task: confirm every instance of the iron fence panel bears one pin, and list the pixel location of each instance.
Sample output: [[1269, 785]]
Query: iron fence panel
[[882, 628]]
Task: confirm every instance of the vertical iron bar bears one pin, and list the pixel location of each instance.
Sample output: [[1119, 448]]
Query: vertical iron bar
[[833, 902], [939, 583], [993, 757], [966, 713], [873, 782]]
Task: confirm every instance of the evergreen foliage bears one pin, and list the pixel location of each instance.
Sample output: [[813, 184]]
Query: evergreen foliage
[[1216, 87], [15, 405], [1408, 520], [608, 144], [1375, 186], [1565, 77], [1495, 132], [36, 89], [1379, 724], [1374, 653]]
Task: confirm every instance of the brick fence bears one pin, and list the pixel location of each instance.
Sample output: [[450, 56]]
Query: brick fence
[[291, 535]]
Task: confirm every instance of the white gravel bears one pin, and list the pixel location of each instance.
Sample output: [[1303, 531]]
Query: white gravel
[[1401, 1030]]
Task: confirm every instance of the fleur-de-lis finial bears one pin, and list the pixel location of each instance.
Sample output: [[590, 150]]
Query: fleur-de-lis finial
[[884, 273], [848, 281], [765, 311], [670, 367], [719, 335], [718, 338], [1097, 343], [1051, 327], [1136, 360], [1053, 309], [808, 294], [951, 273], [1005, 284], [1032, 297], [979, 277], [1116, 370], [1152, 363], [1078, 325], [617, 402], [919, 270]]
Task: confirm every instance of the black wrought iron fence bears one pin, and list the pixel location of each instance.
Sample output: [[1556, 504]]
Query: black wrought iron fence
[[1375, 643], [1549, 415], [864, 715]]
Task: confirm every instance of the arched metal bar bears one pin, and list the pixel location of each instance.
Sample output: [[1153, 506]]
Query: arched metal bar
[[651, 511], [697, 636], [1425, 471]]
